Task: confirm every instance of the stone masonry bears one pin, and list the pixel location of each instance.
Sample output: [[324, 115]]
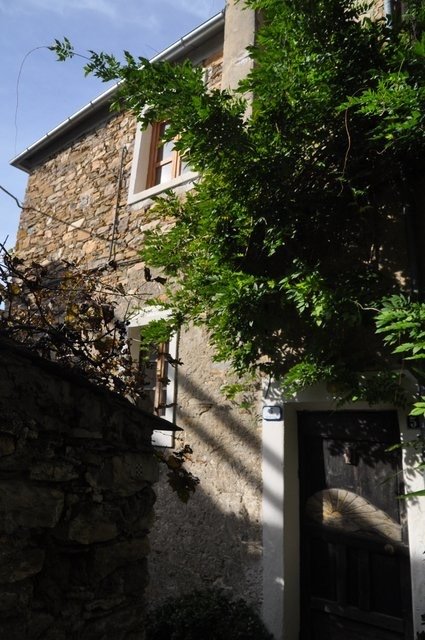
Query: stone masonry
[[76, 498]]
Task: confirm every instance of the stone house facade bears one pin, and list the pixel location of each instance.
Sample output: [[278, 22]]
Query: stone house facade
[[88, 200], [84, 180]]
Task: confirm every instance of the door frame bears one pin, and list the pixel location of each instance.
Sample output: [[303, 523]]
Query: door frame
[[281, 551]]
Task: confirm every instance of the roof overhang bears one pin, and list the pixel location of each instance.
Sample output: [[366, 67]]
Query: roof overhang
[[98, 110]]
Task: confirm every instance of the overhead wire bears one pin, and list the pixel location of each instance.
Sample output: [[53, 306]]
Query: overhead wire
[[89, 232], [112, 263], [18, 79]]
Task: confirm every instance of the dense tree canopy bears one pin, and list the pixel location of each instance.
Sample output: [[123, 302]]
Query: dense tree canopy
[[282, 250]]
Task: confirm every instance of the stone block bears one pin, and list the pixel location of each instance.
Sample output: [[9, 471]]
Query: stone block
[[54, 471], [10, 422], [24, 504], [93, 523], [55, 633], [108, 558], [85, 434], [13, 629], [105, 604], [130, 579], [7, 445], [125, 474], [39, 624], [89, 411], [120, 431], [90, 247], [142, 525], [18, 564], [116, 625], [137, 513], [15, 598]]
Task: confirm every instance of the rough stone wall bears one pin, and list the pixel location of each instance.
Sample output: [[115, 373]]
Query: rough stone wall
[[216, 537], [73, 197], [76, 474]]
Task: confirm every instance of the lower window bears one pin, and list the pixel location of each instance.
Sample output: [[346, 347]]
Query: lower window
[[159, 373]]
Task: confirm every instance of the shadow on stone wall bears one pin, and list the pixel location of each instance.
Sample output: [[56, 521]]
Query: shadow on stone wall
[[216, 538], [76, 470]]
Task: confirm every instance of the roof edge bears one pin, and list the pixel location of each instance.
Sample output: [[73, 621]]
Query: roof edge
[[205, 30]]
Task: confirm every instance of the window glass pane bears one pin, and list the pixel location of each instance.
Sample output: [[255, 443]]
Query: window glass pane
[[167, 149], [163, 174], [147, 365], [185, 166], [164, 150], [163, 128]]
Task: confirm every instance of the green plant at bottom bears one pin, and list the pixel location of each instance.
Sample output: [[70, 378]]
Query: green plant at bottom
[[205, 615]]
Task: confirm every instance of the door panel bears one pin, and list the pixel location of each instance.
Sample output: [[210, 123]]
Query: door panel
[[354, 554]]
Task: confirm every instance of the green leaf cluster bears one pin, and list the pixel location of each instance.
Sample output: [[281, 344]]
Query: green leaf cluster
[[402, 323]]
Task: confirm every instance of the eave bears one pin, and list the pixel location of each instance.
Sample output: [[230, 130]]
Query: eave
[[98, 110]]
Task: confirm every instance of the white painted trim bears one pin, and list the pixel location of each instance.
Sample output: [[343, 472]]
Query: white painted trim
[[281, 587], [414, 481], [273, 521], [147, 314], [281, 609]]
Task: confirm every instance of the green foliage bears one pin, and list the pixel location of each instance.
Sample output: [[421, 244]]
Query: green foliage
[[66, 315], [63, 49], [209, 615], [156, 332], [280, 249], [182, 481], [243, 392], [402, 322], [419, 408]]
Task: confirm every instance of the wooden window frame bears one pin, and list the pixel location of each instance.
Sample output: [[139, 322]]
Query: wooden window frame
[[143, 170], [156, 159], [158, 361]]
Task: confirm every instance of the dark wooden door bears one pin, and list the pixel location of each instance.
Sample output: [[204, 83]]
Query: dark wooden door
[[355, 577]]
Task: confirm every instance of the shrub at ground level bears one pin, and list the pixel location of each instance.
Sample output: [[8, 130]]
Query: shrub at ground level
[[206, 615]]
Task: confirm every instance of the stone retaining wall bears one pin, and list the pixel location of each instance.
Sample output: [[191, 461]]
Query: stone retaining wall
[[76, 498]]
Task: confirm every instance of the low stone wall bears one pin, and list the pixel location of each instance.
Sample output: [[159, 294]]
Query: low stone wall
[[76, 498]]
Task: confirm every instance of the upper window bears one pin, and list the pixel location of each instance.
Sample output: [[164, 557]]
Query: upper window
[[156, 164]]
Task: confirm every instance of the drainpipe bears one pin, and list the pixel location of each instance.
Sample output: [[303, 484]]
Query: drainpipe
[[117, 203]]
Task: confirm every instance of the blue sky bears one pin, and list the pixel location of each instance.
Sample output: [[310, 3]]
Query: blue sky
[[38, 93]]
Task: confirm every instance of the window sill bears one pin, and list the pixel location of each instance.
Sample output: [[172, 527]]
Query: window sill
[[185, 180]]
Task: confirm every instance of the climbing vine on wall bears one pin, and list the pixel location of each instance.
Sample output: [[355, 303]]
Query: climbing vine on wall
[[286, 247]]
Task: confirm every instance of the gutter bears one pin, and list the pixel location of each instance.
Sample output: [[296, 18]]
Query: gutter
[[188, 42]]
